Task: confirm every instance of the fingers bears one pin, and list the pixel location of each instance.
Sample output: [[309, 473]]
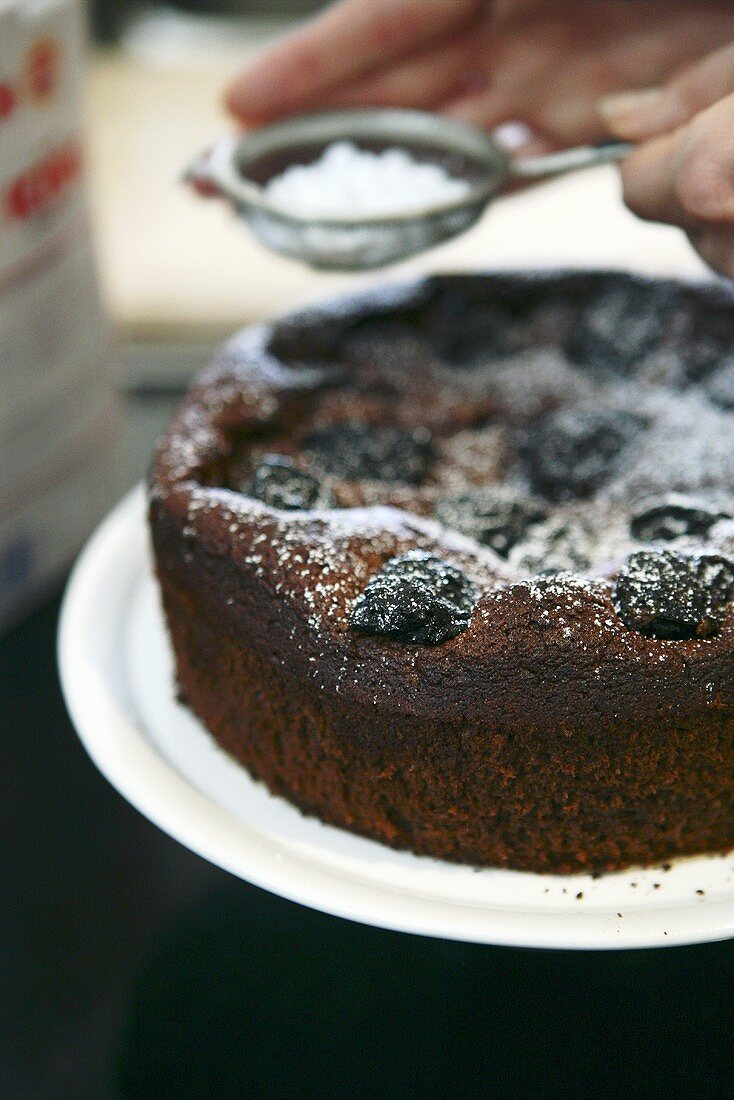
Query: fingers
[[485, 108], [649, 181], [716, 248], [687, 178], [503, 82], [562, 116], [638, 116], [424, 80], [348, 40]]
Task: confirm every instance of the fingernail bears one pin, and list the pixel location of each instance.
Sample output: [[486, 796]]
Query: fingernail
[[252, 92], [642, 114], [628, 103]]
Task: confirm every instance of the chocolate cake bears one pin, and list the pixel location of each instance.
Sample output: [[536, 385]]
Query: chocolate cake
[[451, 565]]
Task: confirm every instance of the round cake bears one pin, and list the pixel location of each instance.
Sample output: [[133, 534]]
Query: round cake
[[451, 565]]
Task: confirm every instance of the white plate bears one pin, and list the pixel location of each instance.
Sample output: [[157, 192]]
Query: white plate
[[116, 671]]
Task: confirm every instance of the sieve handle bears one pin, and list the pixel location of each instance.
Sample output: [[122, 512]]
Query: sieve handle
[[569, 160]]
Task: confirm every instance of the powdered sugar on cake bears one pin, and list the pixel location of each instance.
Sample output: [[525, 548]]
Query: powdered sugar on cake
[[483, 380]]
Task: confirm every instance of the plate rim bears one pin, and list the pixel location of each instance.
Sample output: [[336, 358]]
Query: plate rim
[[135, 767]]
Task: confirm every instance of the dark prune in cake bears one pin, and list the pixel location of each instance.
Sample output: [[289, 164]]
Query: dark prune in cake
[[277, 481], [613, 334], [469, 328], [356, 451], [674, 596], [720, 385], [387, 343], [559, 545], [498, 518], [570, 453], [675, 515], [415, 598], [477, 337], [320, 336], [703, 343]]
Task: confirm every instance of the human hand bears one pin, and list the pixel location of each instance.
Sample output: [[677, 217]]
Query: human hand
[[541, 62], [683, 170]]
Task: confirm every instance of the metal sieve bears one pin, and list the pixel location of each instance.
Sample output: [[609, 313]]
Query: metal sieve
[[238, 168]]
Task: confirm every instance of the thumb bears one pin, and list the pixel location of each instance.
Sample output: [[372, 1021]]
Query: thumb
[[686, 177], [651, 112]]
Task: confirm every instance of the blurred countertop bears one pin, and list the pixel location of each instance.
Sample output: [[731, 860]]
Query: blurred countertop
[[178, 269]]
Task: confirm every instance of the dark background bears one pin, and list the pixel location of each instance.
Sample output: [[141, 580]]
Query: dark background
[[137, 970], [109, 17]]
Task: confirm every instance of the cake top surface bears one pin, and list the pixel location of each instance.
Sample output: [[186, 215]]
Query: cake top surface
[[563, 443]]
